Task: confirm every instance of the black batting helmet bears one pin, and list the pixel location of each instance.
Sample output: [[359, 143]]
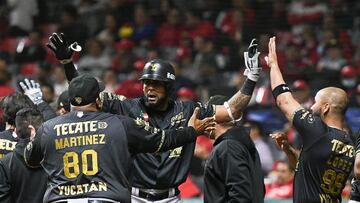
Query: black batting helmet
[[158, 69]]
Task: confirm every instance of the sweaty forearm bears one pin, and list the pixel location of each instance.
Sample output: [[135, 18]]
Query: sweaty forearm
[[70, 71]]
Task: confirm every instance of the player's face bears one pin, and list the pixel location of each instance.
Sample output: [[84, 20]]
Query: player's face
[[155, 93]]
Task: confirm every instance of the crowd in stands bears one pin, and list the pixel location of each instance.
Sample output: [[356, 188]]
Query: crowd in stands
[[318, 46]]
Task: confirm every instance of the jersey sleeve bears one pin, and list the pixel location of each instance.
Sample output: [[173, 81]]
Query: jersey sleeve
[[144, 138], [46, 111], [310, 127], [112, 103], [33, 154], [357, 143], [4, 183]]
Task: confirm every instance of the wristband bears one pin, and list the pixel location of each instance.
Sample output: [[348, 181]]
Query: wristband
[[280, 89], [248, 87], [227, 107]]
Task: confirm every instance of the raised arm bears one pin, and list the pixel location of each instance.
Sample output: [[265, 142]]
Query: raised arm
[[33, 91], [64, 52], [144, 138], [282, 94], [232, 110]]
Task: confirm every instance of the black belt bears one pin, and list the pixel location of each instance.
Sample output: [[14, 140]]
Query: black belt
[[157, 196]]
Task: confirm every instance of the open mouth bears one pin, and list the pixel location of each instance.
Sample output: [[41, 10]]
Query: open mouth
[[151, 97]]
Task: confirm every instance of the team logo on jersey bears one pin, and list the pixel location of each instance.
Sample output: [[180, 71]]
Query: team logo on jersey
[[177, 118], [310, 118], [102, 125], [175, 152], [78, 100]]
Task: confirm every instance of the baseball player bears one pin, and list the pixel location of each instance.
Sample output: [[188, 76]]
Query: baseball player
[[327, 153], [156, 176], [355, 184], [87, 154], [11, 104], [18, 182]]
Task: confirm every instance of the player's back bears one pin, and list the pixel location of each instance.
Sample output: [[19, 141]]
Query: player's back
[[21, 178], [86, 154], [323, 168]]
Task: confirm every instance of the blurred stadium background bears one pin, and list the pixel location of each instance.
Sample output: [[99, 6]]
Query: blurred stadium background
[[318, 45]]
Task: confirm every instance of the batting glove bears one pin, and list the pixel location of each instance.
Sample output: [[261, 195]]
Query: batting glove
[[32, 90], [59, 45], [251, 58]]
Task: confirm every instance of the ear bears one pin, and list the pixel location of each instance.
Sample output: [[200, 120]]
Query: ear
[[326, 109], [32, 132], [98, 103]]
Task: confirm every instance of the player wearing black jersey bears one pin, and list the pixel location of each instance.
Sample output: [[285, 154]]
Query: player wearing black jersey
[[18, 182], [327, 153], [87, 153], [11, 104], [355, 184], [157, 176]]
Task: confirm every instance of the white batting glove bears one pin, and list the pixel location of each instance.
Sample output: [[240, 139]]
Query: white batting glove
[[251, 58], [32, 90]]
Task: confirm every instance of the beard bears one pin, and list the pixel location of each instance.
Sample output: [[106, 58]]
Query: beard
[[161, 102]]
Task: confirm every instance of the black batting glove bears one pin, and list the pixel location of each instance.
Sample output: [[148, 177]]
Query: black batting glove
[[59, 45]]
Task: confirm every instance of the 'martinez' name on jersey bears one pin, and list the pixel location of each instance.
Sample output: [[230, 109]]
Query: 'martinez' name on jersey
[[84, 132]]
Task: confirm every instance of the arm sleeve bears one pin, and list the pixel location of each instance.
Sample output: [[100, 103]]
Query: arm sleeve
[[144, 138], [70, 71], [311, 128], [46, 111], [237, 175], [32, 153], [112, 103], [357, 150], [4, 184]]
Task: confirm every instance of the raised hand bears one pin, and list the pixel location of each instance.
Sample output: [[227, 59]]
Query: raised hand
[[251, 58], [271, 59], [201, 126], [59, 45], [32, 90]]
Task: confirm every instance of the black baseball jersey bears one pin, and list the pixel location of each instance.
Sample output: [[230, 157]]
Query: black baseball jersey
[[8, 141], [18, 182], [233, 170], [8, 137], [355, 185], [158, 170], [325, 161], [88, 154]]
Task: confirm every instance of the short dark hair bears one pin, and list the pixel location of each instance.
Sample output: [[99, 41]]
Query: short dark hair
[[26, 117], [12, 103]]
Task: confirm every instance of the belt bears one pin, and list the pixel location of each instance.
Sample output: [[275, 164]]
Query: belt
[[86, 200], [155, 195]]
